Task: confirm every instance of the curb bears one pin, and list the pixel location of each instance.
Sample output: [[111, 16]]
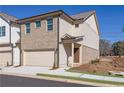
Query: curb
[[62, 80]]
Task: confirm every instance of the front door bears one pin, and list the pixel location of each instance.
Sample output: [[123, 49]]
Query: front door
[[76, 55]]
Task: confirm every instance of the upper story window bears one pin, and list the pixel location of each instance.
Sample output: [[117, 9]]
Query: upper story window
[[38, 24], [27, 27], [76, 25], [2, 31], [50, 24]]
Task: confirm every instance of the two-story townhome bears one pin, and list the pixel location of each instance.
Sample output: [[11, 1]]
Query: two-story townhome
[[56, 39], [9, 38]]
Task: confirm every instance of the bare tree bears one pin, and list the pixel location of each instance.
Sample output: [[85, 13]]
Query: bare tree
[[105, 47]]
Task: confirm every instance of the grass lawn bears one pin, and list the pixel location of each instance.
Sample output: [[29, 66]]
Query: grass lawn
[[100, 74], [81, 79]]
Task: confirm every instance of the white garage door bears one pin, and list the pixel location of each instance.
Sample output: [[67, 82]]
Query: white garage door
[[5, 57], [39, 58]]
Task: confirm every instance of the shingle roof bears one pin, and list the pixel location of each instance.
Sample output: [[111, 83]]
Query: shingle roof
[[8, 17], [82, 15], [73, 18]]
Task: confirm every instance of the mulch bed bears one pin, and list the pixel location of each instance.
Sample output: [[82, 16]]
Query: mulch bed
[[117, 64]]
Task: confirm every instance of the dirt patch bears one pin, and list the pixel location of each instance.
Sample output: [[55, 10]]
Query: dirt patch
[[105, 65]]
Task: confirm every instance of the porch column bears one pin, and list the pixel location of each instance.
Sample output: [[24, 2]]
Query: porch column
[[80, 54], [22, 62], [72, 54]]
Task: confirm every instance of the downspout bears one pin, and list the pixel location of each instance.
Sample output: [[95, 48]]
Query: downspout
[[11, 42], [20, 64], [58, 43], [56, 51]]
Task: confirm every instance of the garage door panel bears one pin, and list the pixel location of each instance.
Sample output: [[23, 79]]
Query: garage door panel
[[5, 57], [40, 58]]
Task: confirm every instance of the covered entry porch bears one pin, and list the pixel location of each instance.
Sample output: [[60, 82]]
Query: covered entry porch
[[73, 50]]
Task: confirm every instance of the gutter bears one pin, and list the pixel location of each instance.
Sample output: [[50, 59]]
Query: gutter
[[10, 41]]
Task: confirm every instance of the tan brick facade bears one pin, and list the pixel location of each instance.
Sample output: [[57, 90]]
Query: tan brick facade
[[89, 54], [39, 38]]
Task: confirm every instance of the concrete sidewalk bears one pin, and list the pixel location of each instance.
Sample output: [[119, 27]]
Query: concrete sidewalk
[[105, 78]]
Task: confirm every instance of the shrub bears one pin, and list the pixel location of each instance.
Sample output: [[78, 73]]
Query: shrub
[[94, 61], [94, 71]]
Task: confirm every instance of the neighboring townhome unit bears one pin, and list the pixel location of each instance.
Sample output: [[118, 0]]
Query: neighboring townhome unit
[[9, 40], [56, 39]]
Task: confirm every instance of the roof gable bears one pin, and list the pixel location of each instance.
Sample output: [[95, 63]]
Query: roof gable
[[67, 36], [85, 15]]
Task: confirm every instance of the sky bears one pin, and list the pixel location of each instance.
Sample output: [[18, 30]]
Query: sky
[[110, 18]]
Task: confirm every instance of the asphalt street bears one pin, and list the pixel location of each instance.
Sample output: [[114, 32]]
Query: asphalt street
[[17, 81]]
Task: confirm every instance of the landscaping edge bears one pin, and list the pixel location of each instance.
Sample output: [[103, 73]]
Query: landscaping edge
[[82, 79]]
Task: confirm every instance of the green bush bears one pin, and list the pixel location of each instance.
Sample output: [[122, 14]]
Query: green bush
[[94, 61]]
